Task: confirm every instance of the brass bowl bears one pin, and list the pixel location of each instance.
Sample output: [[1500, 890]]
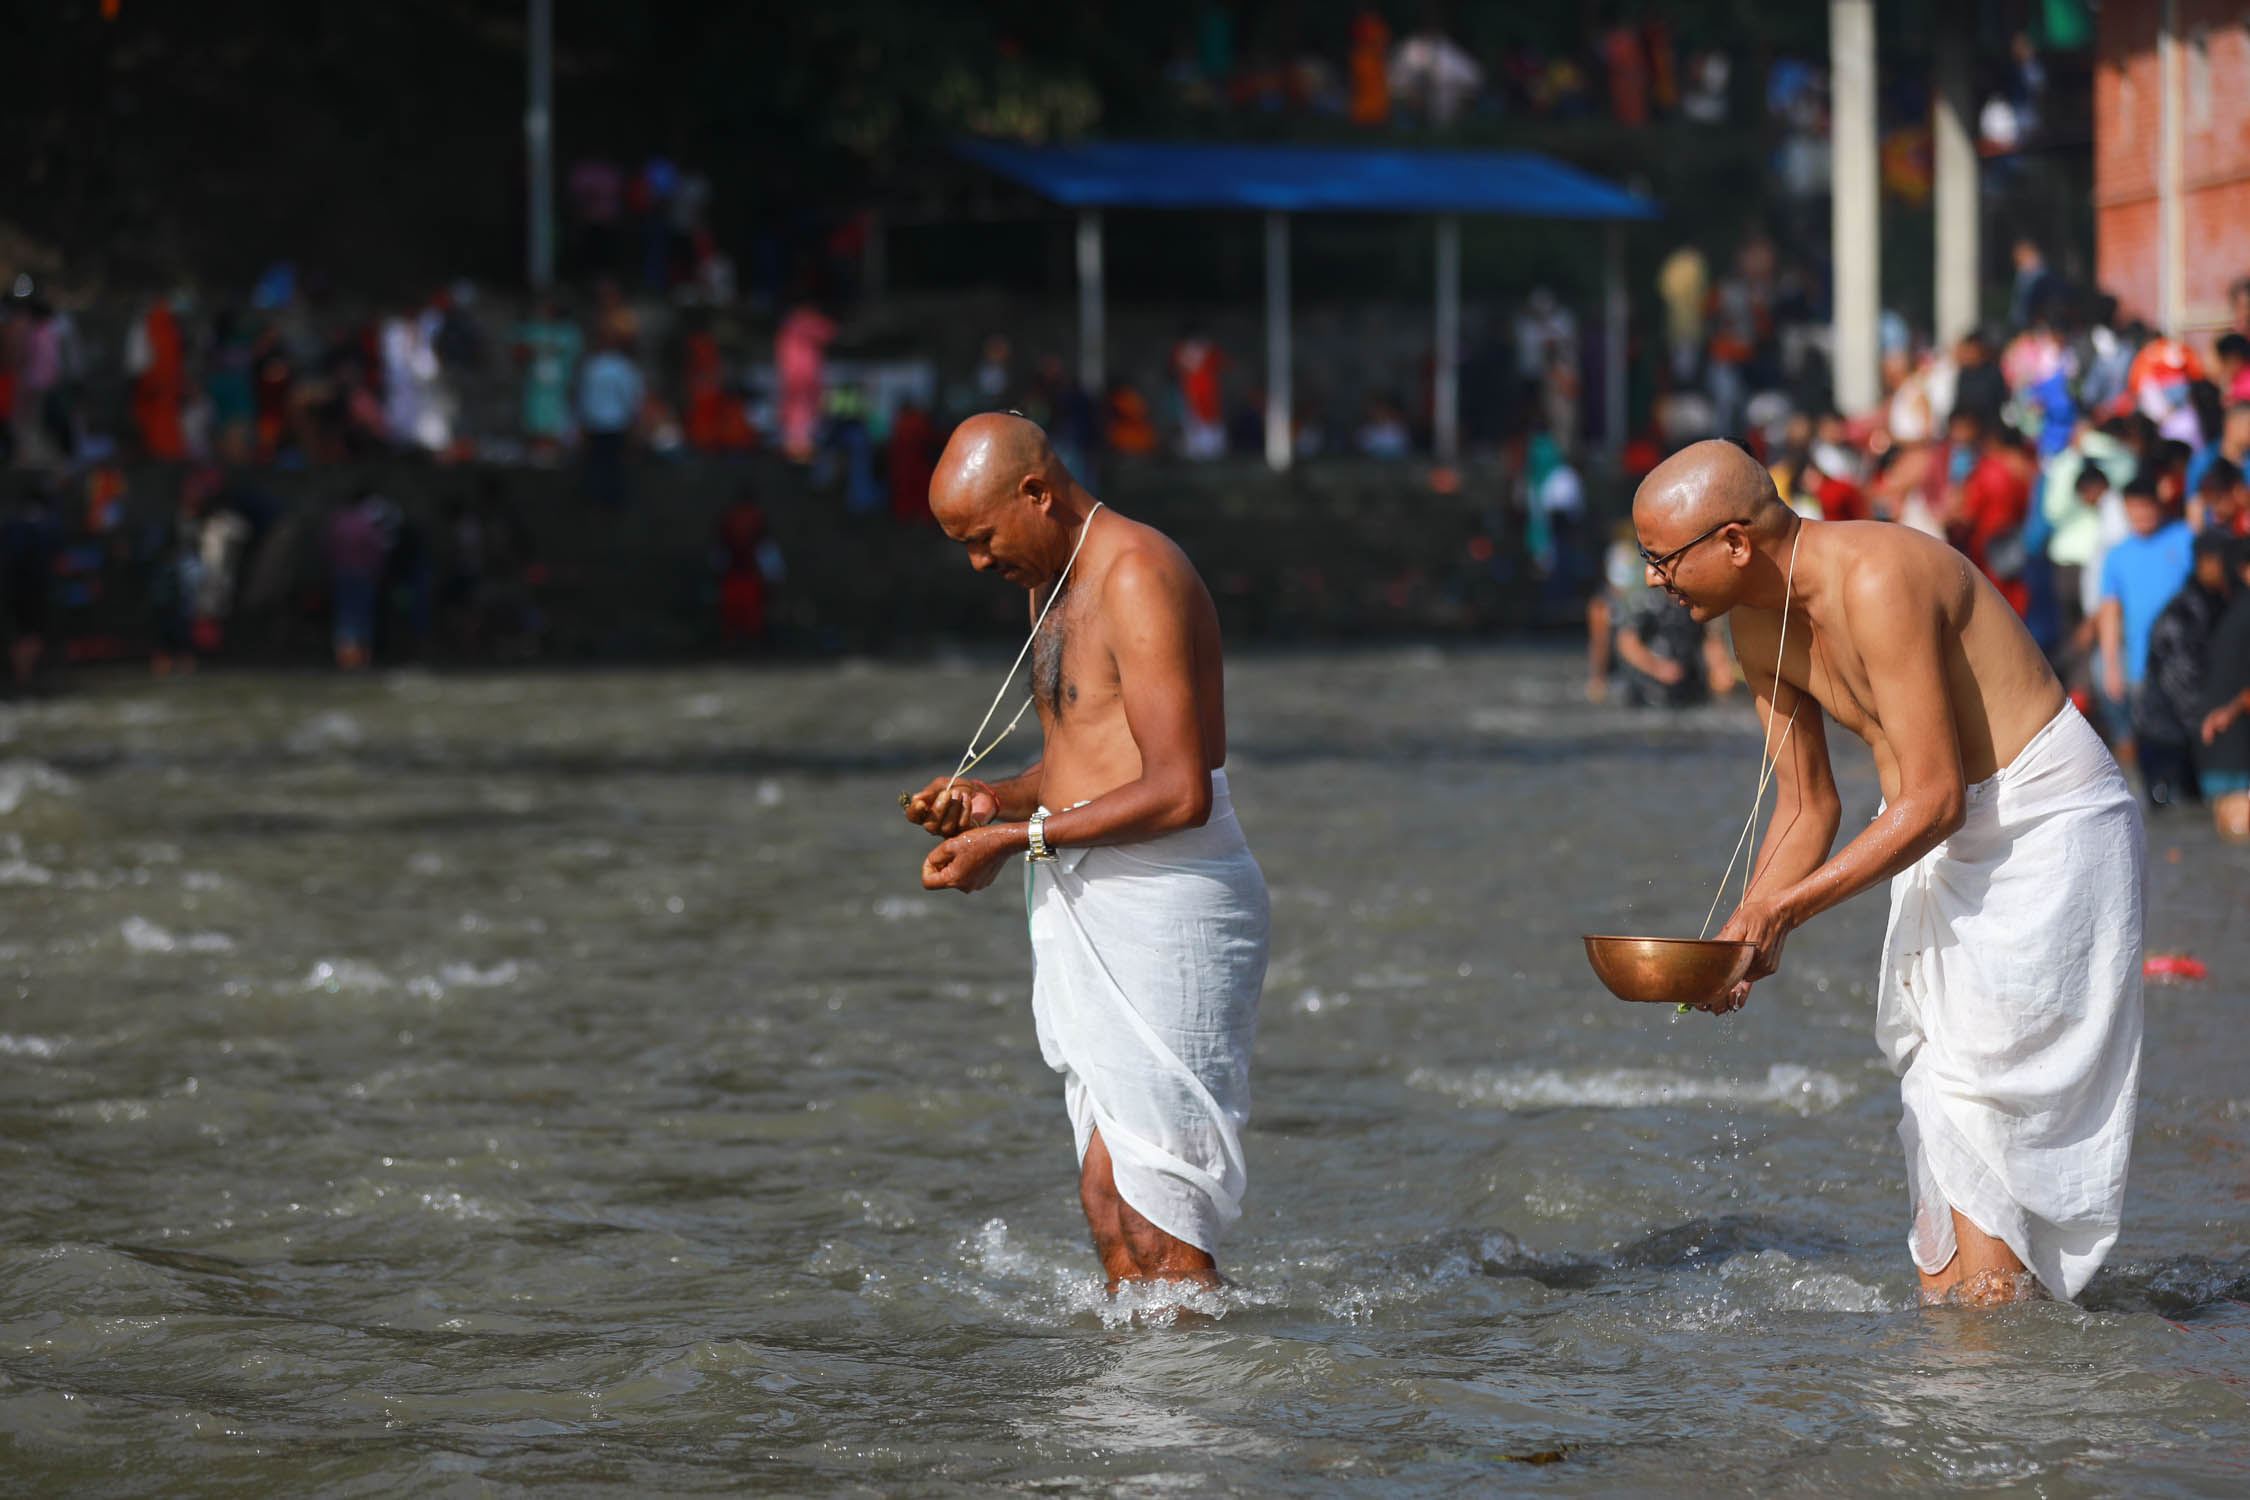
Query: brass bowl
[[1666, 971]]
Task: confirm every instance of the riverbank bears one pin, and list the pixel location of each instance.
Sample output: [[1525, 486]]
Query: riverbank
[[1335, 551]]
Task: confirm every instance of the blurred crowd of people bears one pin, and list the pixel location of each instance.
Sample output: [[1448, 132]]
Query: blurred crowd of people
[[2094, 471], [1634, 68], [225, 558]]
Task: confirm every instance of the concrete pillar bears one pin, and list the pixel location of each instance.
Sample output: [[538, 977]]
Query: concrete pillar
[[1958, 208], [1093, 357], [1856, 207], [1445, 377], [539, 145], [2171, 208], [1280, 403]]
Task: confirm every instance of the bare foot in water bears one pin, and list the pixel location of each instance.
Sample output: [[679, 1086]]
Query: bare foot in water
[[1984, 1272]]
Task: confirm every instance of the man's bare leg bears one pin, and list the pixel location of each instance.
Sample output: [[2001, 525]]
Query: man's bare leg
[[1131, 1248], [1984, 1272]]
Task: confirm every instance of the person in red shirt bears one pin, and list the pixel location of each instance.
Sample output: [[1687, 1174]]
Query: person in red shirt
[[1986, 512], [911, 459], [160, 386], [742, 577], [1197, 362]]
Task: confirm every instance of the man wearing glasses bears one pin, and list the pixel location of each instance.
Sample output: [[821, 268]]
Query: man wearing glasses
[[2010, 992]]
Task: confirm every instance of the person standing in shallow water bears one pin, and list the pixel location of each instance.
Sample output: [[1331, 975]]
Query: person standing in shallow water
[[1149, 917], [2010, 993]]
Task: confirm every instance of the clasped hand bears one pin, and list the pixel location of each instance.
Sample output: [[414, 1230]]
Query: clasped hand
[[968, 804], [959, 812], [1760, 921], [971, 861]]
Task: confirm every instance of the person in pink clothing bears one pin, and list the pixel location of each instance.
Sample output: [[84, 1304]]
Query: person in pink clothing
[[800, 349]]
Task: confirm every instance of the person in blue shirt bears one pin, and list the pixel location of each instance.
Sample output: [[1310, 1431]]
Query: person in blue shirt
[[2140, 576], [610, 393]]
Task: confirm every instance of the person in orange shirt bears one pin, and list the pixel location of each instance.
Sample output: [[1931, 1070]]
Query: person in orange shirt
[[1130, 430], [1370, 70], [160, 385]]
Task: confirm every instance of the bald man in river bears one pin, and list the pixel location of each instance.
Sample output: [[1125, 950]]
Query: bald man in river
[[1148, 915], [2010, 995]]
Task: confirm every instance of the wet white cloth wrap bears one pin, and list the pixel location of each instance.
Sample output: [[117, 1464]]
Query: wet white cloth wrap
[[1149, 959], [2011, 1007]]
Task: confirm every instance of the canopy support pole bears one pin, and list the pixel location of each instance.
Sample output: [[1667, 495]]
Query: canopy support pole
[[1280, 404], [1445, 378], [1955, 194], [1093, 363], [2171, 217], [1856, 224], [538, 142], [1614, 310]]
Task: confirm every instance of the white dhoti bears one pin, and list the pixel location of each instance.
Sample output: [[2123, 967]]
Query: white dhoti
[[1149, 959], [2011, 1007]]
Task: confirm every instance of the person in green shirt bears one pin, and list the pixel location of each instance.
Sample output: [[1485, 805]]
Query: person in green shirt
[[549, 345]]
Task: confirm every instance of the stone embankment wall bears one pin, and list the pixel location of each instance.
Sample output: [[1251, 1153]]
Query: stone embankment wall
[[1337, 551]]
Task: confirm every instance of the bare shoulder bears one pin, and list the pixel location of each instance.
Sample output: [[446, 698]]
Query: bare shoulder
[[1148, 568], [1886, 569]]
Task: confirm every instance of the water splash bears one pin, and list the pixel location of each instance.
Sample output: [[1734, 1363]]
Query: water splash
[[19, 778], [340, 975], [144, 936], [1788, 1086]]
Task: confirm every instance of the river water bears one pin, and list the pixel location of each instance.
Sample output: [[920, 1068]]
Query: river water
[[464, 1085]]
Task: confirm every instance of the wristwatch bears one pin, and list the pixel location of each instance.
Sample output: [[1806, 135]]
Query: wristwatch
[[1039, 853]]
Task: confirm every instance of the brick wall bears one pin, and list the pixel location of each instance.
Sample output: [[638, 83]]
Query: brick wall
[[2215, 153]]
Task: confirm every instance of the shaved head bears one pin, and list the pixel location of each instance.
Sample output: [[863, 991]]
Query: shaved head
[[988, 460], [1000, 491], [1703, 516], [1703, 485]]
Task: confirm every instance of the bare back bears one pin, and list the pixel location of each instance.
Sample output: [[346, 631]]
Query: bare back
[[1080, 685], [2002, 691]]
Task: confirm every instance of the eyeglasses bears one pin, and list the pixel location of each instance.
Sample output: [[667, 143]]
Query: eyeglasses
[[1658, 565]]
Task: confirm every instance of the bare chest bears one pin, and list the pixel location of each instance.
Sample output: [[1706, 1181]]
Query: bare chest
[[1069, 661], [1836, 677]]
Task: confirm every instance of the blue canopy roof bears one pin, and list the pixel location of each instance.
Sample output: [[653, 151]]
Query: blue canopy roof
[[1310, 179]]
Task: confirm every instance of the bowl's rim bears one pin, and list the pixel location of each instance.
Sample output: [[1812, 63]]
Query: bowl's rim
[[1618, 937]]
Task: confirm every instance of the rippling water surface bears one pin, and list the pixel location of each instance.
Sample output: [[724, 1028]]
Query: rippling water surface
[[448, 1086]]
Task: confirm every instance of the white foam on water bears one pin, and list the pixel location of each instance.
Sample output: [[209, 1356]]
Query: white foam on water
[[1746, 1290], [1774, 1280], [19, 778], [425, 863], [1056, 1285], [457, 1205], [45, 1048], [332, 730], [702, 706], [15, 869], [1789, 1086], [898, 908], [143, 936], [341, 975], [470, 977], [769, 793]]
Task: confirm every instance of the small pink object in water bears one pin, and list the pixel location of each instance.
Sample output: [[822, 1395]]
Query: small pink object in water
[[2172, 966]]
